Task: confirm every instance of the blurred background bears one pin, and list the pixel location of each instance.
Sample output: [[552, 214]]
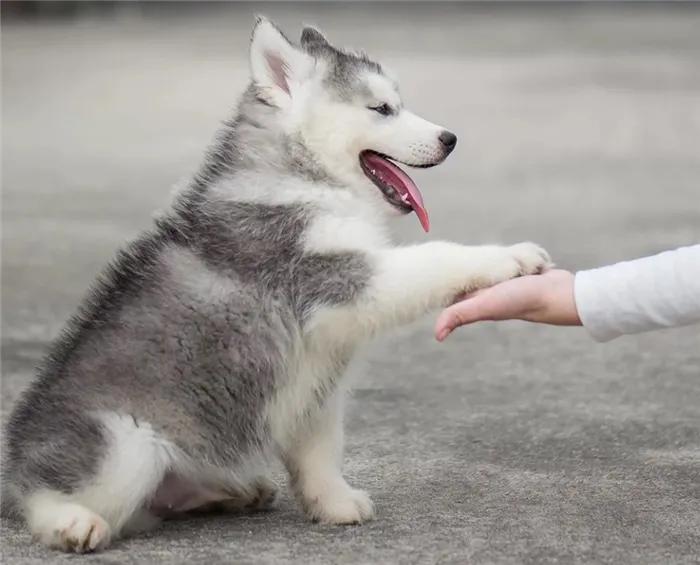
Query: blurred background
[[578, 124], [579, 128]]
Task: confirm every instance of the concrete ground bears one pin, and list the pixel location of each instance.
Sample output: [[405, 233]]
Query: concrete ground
[[509, 443]]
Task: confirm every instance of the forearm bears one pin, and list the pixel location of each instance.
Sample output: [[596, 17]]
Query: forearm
[[632, 297]]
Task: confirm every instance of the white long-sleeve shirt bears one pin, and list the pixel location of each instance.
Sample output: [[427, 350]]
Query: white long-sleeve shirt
[[661, 291]]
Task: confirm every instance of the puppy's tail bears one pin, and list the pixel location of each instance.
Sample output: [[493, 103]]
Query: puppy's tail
[[9, 505], [9, 510]]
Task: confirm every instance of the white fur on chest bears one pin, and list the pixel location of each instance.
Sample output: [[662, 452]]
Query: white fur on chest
[[353, 229], [316, 375]]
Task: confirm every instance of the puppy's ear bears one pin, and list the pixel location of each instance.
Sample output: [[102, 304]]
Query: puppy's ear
[[312, 35], [275, 64]]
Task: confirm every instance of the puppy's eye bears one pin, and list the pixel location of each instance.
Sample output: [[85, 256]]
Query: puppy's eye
[[382, 109]]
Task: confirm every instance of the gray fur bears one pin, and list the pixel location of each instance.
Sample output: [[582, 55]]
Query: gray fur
[[311, 34], [150, 342], [346, 68], [251, 139], [42, 453]]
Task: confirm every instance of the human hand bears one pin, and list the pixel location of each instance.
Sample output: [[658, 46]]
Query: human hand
[[546, 299]]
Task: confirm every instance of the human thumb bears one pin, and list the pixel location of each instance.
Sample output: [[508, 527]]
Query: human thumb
[[460, 314]]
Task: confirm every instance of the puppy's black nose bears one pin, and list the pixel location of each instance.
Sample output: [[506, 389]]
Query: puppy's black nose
[[448, 140]]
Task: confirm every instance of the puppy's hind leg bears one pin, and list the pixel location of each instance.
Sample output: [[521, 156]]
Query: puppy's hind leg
[[112, 502]]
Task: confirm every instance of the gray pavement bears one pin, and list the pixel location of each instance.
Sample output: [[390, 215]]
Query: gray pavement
[[509, 443]]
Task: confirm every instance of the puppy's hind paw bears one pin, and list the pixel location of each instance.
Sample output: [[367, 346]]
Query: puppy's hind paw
[[75, 529]]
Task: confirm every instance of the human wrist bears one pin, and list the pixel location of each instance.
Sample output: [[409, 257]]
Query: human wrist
[[567, 312], [558, 302]]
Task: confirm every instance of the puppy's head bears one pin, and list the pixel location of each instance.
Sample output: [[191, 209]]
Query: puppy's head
[[348, 111]]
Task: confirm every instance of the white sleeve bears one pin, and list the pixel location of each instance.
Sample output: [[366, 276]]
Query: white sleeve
[[661, 291]]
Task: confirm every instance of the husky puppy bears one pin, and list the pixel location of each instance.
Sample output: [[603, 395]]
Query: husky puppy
[[220, 337]]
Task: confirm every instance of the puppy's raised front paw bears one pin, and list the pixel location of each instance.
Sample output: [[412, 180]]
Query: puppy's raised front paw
[[530, 257]]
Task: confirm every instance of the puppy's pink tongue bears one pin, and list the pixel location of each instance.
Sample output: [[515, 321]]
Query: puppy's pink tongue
[[402, 183]]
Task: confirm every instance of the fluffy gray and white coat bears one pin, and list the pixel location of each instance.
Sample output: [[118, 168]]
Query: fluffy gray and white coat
[[221, 337]]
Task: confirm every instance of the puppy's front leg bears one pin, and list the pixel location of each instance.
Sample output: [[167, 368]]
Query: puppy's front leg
[[409, 282], [314, 462]]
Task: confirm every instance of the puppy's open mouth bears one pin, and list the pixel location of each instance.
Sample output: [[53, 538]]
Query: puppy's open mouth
[[396, 186]]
